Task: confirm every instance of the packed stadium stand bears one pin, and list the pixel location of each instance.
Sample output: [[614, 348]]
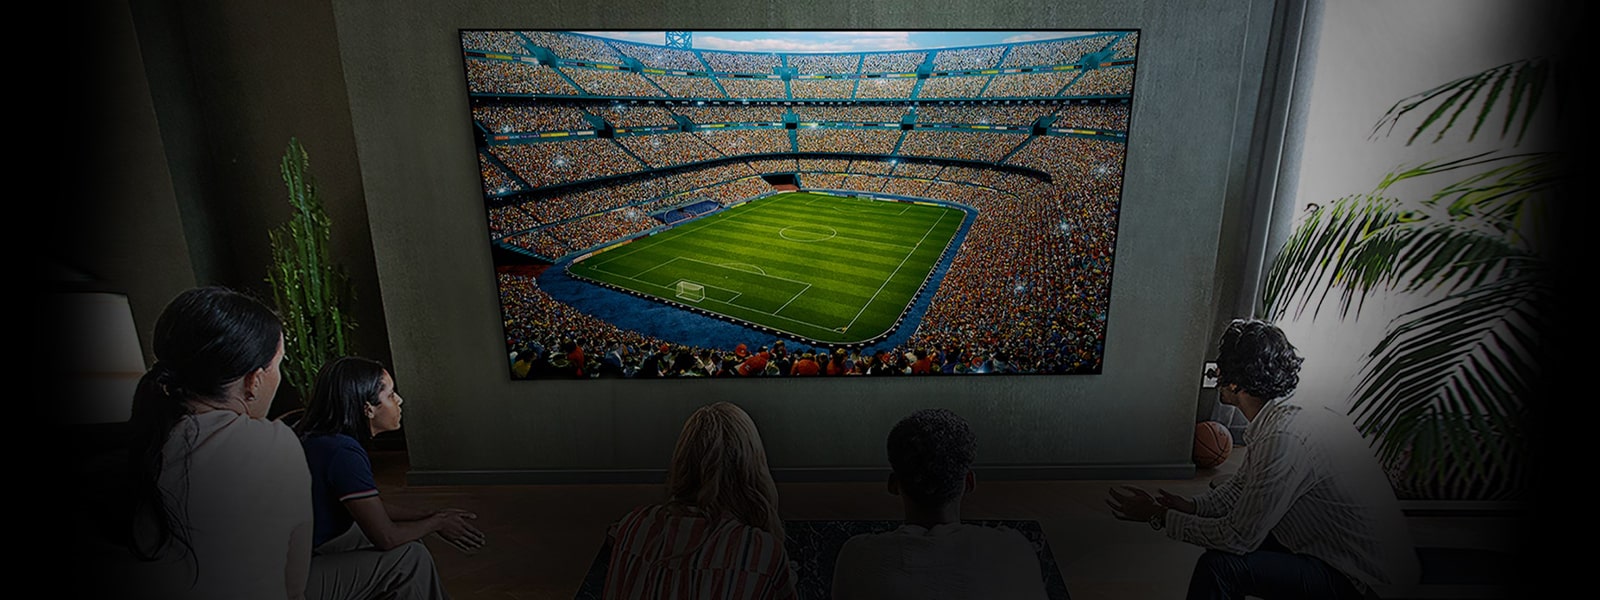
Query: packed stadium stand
[[1036, 150]]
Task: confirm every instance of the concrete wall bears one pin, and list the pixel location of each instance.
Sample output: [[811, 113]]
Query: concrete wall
[[1199, 73], [231, 83]]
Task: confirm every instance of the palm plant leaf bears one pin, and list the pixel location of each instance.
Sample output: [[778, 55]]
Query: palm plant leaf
[[1448, 383], [1525, 80]]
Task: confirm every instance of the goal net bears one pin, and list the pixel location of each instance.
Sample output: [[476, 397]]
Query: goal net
[[692, 292]]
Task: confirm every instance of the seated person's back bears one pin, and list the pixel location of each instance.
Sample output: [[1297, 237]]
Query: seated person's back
[[718, 535], [950, 560], [666, 551], [934, 555]]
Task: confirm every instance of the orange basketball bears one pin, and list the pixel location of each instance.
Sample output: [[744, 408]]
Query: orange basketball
[[1212, 443]]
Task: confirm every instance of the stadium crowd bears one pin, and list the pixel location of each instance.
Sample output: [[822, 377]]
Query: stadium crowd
[[1024, 114], [967, 59], [968, 86], [1026, 292], [876, 167], [505, 220], [914, 169], [668, 149], [633, 115], [686, 87], [495, 181], [514, 77], [892, 62], [892, 87], [507, 42], [1110, 117], [600, 229], [1071, 158], [1029, 84], [753, 88], [540, 117], [1103, 82], [985, 147], [1010, 302], [774, 165], [548, 163], [574, 47], [661, 57], [1126, 46], [901, 186], [1062, 52], [732, 114], [734, 142], [539, 243], [741, 62], [823, 165], [834, 139], [822, 88], [876, 113], [607, 82], [830, 181], [809, 64]]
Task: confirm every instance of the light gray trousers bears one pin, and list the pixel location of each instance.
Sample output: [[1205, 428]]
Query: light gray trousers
[[349, 567]]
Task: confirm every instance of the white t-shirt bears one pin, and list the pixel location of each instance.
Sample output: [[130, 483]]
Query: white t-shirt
[[948, 561], [242, 489]]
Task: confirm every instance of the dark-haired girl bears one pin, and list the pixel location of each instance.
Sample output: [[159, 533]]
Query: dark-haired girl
[[220, 504], [365, 547]]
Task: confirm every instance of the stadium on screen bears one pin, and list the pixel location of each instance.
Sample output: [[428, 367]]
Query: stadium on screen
[[683, 211]]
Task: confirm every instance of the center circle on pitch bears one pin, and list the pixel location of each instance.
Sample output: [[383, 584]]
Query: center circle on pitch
[[808, 233]]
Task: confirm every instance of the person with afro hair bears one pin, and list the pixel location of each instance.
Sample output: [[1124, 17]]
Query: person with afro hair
[[933, 554], [1310, 513]]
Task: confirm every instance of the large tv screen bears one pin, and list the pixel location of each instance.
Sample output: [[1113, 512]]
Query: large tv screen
[[797, 203]]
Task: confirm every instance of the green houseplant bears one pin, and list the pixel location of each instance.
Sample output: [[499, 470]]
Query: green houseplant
[[310, 291], [1447, 392]]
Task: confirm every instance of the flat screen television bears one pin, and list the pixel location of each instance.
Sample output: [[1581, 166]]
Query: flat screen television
[[791, 204]]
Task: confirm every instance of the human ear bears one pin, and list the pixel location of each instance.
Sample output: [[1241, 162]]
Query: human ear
[[972, 482]]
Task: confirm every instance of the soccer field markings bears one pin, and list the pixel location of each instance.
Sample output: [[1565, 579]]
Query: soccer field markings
[[736, 297], [684, 229], [731, 304], [895, 272], [740, 266], [799, 229], [674, 286]]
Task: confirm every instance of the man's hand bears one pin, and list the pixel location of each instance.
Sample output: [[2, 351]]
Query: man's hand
[[1136, 505], [454, 528], [1176, 502]]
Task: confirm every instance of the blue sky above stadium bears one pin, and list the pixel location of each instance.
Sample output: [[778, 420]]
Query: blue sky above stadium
[[839, 41]]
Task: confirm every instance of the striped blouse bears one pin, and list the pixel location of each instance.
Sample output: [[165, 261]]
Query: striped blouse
[[1311, 481], [657, 554]]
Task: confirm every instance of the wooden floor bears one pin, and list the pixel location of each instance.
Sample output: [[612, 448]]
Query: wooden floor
[[541, 539]]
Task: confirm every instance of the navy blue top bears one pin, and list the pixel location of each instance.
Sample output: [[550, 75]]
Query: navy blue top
[[340, 471]]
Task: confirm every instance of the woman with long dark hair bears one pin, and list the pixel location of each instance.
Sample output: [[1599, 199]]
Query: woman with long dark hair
[[721, 519], [366, 547], [220, 496]]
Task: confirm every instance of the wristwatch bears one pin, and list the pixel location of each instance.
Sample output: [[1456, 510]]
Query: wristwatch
[[1158, 520]]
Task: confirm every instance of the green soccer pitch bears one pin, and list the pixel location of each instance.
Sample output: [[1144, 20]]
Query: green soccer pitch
[[824, 268]]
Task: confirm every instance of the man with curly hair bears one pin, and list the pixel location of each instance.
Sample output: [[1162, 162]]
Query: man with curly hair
[[934, 555], [1310, 514]]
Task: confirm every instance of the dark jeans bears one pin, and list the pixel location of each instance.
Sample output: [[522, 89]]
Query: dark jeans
[[1269, 573]]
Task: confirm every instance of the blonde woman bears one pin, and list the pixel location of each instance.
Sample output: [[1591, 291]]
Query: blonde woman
[[718, 535]]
